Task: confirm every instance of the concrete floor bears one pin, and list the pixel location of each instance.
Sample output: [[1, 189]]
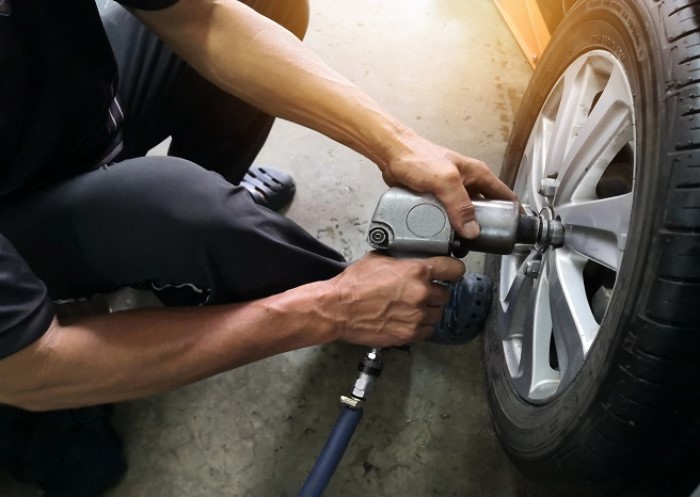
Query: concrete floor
[[451, 70]]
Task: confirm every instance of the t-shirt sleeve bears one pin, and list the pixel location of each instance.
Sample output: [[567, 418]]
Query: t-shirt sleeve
[[25, 308], [148, 4]]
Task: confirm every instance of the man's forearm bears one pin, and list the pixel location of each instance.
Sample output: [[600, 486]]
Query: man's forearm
[[133, 354], [378, 302], [257, 60], [264, 64]]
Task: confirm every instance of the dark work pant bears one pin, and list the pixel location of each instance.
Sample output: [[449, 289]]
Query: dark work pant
[[164, 222]]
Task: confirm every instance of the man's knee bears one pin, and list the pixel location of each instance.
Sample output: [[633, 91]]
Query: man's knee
[[292, 14], [194, 210], [178, 192]]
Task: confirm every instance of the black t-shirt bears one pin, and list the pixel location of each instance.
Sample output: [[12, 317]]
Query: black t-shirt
[[58, 81], [25, 309], [58, 78]]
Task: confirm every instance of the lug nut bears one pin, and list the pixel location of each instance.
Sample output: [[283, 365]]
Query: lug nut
[[551, 229], [533, 268], [548, 187]]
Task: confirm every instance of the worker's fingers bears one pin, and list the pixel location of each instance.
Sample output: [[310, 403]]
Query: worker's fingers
[[474, 179], [432, 315], [438, 295], [479, 181], [459, 207], [424, 332], [445, 268]]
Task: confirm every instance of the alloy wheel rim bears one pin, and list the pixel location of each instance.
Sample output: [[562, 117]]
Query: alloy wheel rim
[[579, 165]]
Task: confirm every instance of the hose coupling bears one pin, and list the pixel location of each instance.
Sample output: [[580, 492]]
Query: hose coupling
[[370, 367]]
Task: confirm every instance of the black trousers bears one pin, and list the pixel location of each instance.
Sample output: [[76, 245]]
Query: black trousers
[[175, 224]]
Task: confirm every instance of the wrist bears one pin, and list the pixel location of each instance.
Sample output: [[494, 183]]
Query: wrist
[[312, 310], [396, 141], [330, 309]]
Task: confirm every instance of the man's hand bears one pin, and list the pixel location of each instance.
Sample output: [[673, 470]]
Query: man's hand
[[384, 302], [425, 167]]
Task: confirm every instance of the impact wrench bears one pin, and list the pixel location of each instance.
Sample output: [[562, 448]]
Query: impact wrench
[[406, 224]]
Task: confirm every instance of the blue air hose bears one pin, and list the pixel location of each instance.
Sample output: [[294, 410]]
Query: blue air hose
[[332, 452]]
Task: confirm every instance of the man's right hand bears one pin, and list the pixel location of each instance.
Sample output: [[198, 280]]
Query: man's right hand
[[382, 301]]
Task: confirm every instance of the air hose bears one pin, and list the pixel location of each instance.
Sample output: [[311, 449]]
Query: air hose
[[351, 412], [332, 452]]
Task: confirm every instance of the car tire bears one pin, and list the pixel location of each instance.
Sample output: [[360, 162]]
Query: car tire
[[619, 412]]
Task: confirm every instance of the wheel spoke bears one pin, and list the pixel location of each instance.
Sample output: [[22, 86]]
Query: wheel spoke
[[597, 229], [514, 301], [569, 112], [573, 323], [536, 379], [532, 169], [608, 127]]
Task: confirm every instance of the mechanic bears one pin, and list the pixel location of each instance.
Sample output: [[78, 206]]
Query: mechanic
[[82, 212]]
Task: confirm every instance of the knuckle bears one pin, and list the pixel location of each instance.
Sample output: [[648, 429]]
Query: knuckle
[[479, 166], [479, 170], [448, 179], [452, 175], [418, 269], [466, 209], [419, 295]]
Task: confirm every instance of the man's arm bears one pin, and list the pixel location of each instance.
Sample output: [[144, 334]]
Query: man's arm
[[133, 354], [255, 59]]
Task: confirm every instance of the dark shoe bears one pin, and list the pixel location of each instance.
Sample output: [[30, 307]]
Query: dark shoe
[[68, 453], [269, 187], [465, 313]]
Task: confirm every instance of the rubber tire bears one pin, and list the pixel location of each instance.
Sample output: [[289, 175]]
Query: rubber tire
[[629, 423]]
